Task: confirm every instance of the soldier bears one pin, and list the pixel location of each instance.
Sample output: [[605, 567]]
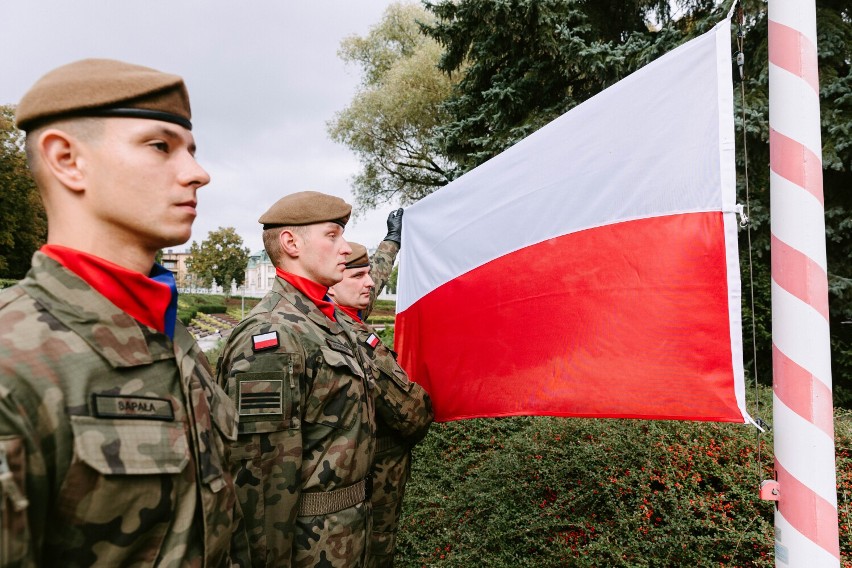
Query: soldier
[[307, 426], [403, 409], [110, 420]]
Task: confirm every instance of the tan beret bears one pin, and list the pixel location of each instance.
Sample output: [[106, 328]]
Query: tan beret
[[359, 257], [306, 208], [104, 87]]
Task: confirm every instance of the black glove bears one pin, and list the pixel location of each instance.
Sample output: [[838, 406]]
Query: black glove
[[395, 227]]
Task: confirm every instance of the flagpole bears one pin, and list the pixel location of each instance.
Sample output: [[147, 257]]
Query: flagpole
[[805, 491]]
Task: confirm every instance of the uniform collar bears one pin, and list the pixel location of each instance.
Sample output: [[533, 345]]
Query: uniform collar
[[151, 300], [111, 332], [351, 312], [305, 305], [317, 293]]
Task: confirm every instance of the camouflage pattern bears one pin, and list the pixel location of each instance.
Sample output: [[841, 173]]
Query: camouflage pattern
[[404, 414], [381, 266], [307, 430], [111, 450]]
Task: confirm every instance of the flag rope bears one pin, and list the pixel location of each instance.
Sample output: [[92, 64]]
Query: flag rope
[[746, 222]]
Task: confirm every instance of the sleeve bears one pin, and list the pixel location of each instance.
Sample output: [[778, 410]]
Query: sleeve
[[24, 487], [259, 369], [381, 265], [403, 405]]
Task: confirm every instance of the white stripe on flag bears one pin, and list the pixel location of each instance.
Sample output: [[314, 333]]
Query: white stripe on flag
[[616, 157]]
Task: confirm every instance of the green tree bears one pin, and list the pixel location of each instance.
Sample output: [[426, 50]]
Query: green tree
[[23, 223], [525, 62], [220, 257], [391, 121]]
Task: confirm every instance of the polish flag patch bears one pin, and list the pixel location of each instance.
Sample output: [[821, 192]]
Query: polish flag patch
[[264, 341], [373, 340]]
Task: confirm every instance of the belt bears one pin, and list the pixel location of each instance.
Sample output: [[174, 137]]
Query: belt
[[318, 503]]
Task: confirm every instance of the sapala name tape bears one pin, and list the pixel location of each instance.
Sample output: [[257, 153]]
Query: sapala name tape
[[139, 407]]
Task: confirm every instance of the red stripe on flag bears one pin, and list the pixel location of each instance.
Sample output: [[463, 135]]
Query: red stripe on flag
[[794, 162], [807, 512], [802, 393], [800, 276], [627, 320], [792, 51]]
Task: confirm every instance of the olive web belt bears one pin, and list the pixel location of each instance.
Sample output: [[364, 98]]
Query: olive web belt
[[326, 502]]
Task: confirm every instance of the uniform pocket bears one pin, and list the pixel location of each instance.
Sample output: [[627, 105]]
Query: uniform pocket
[[130, 447], [14, 530], [335, 396], [388, 366], [127, 473]]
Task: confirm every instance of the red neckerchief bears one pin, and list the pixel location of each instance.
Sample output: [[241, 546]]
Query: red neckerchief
[[140, 297], [352, 312], [317, 293]]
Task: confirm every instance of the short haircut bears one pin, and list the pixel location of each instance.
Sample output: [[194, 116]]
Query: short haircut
[[273, 245], [87, 129]]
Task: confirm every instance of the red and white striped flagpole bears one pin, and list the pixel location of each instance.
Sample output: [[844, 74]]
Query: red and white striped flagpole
[[806, 525]]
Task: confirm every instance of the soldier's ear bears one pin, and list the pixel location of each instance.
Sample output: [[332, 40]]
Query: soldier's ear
[[290, 243], [62, 155]]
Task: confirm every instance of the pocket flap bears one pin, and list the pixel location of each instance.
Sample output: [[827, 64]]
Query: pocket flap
[[339, 360], [130, 447], [390, 368]]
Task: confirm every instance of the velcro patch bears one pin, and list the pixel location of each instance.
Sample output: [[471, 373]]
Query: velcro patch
[[136, 407], [260, 397], [264, 341], [341, 347], [373, 340]]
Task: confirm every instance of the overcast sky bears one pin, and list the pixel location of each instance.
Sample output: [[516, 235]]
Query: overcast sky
[[263, 76]]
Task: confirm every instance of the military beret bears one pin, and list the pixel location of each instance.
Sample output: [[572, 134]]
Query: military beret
[[359, 257], [104, 87], [306, 208]]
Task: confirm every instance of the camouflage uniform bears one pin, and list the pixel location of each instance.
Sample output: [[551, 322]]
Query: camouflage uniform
[[108, 451], [381, 266], [306, 433], [404, 413]]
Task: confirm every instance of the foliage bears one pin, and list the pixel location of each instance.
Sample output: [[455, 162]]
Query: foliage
[[385, 307], [186, 315], [220, 257], [386, 335], [23, 223], [547, 492], [211, 308], [525, 62], [6, 282], [391, 121], [390, 286], [213, 354]]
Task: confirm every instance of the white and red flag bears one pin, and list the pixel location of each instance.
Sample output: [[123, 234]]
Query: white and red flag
[[592, 268]]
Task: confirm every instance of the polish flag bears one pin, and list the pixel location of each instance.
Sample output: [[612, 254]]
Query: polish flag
[[591, 269]]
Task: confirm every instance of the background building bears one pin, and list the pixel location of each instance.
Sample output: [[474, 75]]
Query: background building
[[176, 263], [260, 274]]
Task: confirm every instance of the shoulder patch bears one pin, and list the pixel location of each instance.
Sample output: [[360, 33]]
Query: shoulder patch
[[138, 407], [373, 340], [264, 341], [341, 347]]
